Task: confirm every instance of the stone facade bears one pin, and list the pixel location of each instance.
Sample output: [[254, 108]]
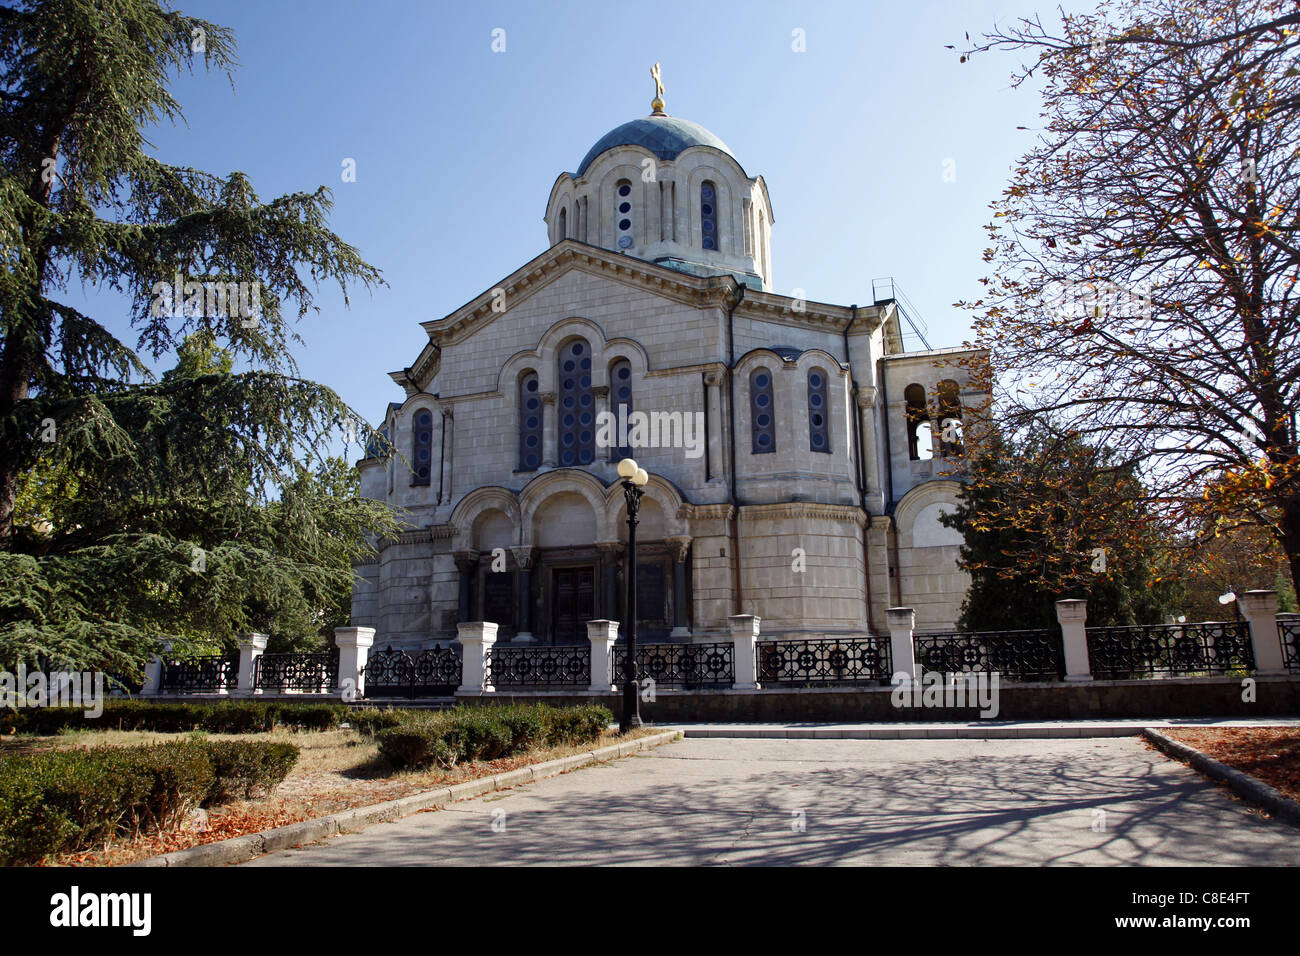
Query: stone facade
[[800, 497]]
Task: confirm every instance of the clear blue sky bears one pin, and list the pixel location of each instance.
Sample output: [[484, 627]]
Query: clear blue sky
[[457, 147]]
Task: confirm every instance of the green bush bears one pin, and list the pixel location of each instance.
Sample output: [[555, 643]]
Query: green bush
[[72, 799], [371, 720], [217, 717], [486, 733], [247, 769]]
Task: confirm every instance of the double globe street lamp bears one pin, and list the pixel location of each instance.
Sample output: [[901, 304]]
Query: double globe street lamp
[[634, 481]]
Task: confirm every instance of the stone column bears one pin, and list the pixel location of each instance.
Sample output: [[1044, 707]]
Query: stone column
[[901, 647], [1259, 608], [476, 639], [601, 399], [447, 443], [713, 391], [870, 454], [744, 645], [1072, 614], [602, 635], [681, 545], [611, 552], [251, 647], [466, 564], [354, 649], [549, 436], [524, 629], [153, 671]]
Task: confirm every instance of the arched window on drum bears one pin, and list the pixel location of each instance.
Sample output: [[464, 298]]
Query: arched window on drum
[[422, 447], [819, 427], [950, 423], [530, 423], [576, 411], [919, 443], [709, 216], [762, 412], [620, 402]]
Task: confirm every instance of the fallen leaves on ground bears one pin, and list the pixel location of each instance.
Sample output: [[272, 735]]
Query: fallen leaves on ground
[[1270, 754]]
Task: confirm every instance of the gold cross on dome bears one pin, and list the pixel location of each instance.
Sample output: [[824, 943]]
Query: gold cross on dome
[[657, 104]]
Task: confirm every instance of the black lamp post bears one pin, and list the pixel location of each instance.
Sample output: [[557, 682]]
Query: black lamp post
[[634, 480]]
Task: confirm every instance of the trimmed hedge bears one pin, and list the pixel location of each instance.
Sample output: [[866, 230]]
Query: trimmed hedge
[[445, 738], [73, 799], [218, 717]]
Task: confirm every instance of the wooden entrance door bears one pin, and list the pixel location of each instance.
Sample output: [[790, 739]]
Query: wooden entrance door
[[573, 602]]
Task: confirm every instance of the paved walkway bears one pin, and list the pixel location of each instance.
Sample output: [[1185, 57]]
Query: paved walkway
[[824, 802], [972, 729]]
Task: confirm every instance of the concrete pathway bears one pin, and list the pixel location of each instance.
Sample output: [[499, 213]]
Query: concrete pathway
[[1100, 801], [971, 730]]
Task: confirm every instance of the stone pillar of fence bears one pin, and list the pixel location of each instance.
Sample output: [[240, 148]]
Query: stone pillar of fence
[[153, 671], [1072, 615], [476, 639], [1259, 608], [354, 650], [251, 647], [602, 635], [744, 650], [902, 649]]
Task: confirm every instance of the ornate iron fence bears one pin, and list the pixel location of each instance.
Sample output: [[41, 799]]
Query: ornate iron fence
[[1169, 650], [1288, 631], [1031, 655], [681, 666], [200, 675], [432, 672], [845, 660], [554, 665], [301, 673]]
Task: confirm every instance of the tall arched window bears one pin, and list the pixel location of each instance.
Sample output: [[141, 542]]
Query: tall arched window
[[623, 213], [577, 409], [819, 426], [422, 447], [709, 215], [762, 412], [620, 398], [530, 423], [564, 224], [919, 446], [950, 425]]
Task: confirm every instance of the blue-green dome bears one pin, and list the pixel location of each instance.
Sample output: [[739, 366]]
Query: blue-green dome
[[665, 136]]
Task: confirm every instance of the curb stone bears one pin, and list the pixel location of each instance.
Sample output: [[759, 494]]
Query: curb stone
[[249, 846], [1250, 789]]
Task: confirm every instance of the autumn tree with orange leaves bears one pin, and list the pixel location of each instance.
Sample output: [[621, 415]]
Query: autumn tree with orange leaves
[[1144, 259]]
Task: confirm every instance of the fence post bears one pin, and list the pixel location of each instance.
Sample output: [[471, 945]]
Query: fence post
[[153, 671], [476, 639], [251, 647], [1259, 608], [602, 635], [902, 649], [1072, 615], [354, 650], [744, 645]]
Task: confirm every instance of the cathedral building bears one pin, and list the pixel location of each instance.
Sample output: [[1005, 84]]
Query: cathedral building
[[796, 452]]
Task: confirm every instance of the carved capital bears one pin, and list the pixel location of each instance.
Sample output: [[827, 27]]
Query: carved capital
[[713, 378], [866, 396], [600, 391], [611, 549], [466, 560], [524, 557], [548, 398], [680, 544]]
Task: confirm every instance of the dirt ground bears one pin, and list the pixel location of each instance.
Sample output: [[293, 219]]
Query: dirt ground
[[336, 770]]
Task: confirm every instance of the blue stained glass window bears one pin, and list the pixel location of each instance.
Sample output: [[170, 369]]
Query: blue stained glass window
[[763, 428], [422, 435], [708, 216], [621, 372], [530, 423], [819, 433], [575, 398]]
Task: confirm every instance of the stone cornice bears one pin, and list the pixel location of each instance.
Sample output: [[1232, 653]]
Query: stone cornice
[[803, 509], [705, 512]]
